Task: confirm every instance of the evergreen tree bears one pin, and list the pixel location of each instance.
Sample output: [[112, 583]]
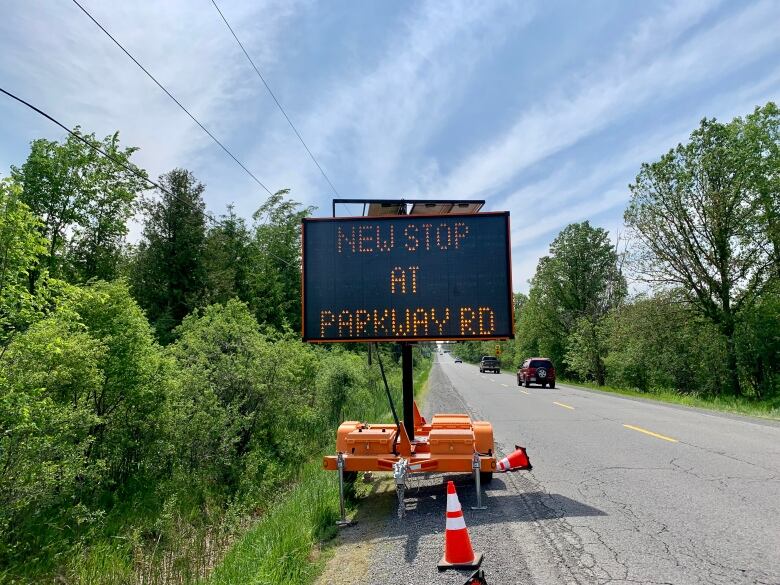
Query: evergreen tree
[[169, 276]]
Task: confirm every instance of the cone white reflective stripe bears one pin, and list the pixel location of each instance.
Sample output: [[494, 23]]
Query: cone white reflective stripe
[[503, 465], [457, 523], [453, 505]]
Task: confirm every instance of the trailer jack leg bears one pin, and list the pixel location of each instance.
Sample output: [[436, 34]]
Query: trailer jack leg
[[475, 464], [400, 470], [342, 522]]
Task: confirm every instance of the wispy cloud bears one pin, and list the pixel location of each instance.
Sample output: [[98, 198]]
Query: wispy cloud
[[650, 67], [54, 55], [577, 192], [373, 121]]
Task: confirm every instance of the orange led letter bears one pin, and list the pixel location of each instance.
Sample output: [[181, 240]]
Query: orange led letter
[[461, 231], [427, 228], [385, 245], [398, 276], [412, 242], [380, 324], [364, 240], [440, 324], [487, 321], [362, 317], [326, 320], [345, 322], [466, 322], [413, 270], [443, 243], [420, 319], [340, 236]]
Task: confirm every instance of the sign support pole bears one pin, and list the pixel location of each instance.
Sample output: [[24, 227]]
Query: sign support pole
[[407, 372]]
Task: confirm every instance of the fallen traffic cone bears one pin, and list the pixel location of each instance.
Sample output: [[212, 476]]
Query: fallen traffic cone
[[478, 578], [518, 459], [458, 553]]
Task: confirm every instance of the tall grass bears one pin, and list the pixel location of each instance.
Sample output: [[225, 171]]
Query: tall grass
[[278, 549]]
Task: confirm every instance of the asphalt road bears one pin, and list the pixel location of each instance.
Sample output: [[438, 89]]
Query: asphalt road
[[622, 491]]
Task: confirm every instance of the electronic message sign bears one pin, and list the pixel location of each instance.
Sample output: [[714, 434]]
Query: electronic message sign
[[407, 277]]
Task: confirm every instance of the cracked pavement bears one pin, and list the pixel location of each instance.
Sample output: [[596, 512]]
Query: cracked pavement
[[604, 504]]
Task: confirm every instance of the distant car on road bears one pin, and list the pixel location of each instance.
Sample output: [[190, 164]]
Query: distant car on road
[[489, 363], [458, 361], [537, 370]]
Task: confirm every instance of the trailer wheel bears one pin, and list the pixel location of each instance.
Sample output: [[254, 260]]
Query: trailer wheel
[[485, 477]]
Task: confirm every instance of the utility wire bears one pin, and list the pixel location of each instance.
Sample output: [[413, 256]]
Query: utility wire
[[281, 109], [170, 95], [128, 167], [131, 168]]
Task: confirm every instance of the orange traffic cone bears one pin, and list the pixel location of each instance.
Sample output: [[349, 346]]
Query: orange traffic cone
[[458, 553], [478, 578], [518, 459]]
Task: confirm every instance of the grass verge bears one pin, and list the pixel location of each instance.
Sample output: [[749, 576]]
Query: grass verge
[[769, 409], [421, 383], [348, 559], [279, 548]]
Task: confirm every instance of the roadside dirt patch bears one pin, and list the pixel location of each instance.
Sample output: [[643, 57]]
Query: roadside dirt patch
[[349, 556]]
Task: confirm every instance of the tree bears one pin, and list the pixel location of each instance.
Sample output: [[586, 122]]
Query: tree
[[702, 218], [229, 258], [580, 279], [21, 246], [659, 343], [83, 405], [247, 398], [276, 278], [587, 349], [759, 138], [168, 275], [758, 343], [84, 201]]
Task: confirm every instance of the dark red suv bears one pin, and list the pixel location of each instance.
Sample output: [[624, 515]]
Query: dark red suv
[[537, 370]]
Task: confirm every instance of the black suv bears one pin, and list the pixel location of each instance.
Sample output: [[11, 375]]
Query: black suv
[[489, 364]]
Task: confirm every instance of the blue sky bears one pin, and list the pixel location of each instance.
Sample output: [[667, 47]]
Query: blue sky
[[545, 109]]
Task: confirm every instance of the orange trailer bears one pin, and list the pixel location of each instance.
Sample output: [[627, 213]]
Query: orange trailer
[[447, 444]]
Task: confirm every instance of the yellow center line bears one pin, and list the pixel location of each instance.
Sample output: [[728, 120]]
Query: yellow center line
[[524, 392], [652, 434], [564, 405]]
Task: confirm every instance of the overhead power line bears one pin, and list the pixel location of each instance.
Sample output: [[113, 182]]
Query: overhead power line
[[128, 167], [276, 101], [170, 95], [131, 168]]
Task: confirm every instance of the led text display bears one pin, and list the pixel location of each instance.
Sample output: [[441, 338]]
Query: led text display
[[407, 277]]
